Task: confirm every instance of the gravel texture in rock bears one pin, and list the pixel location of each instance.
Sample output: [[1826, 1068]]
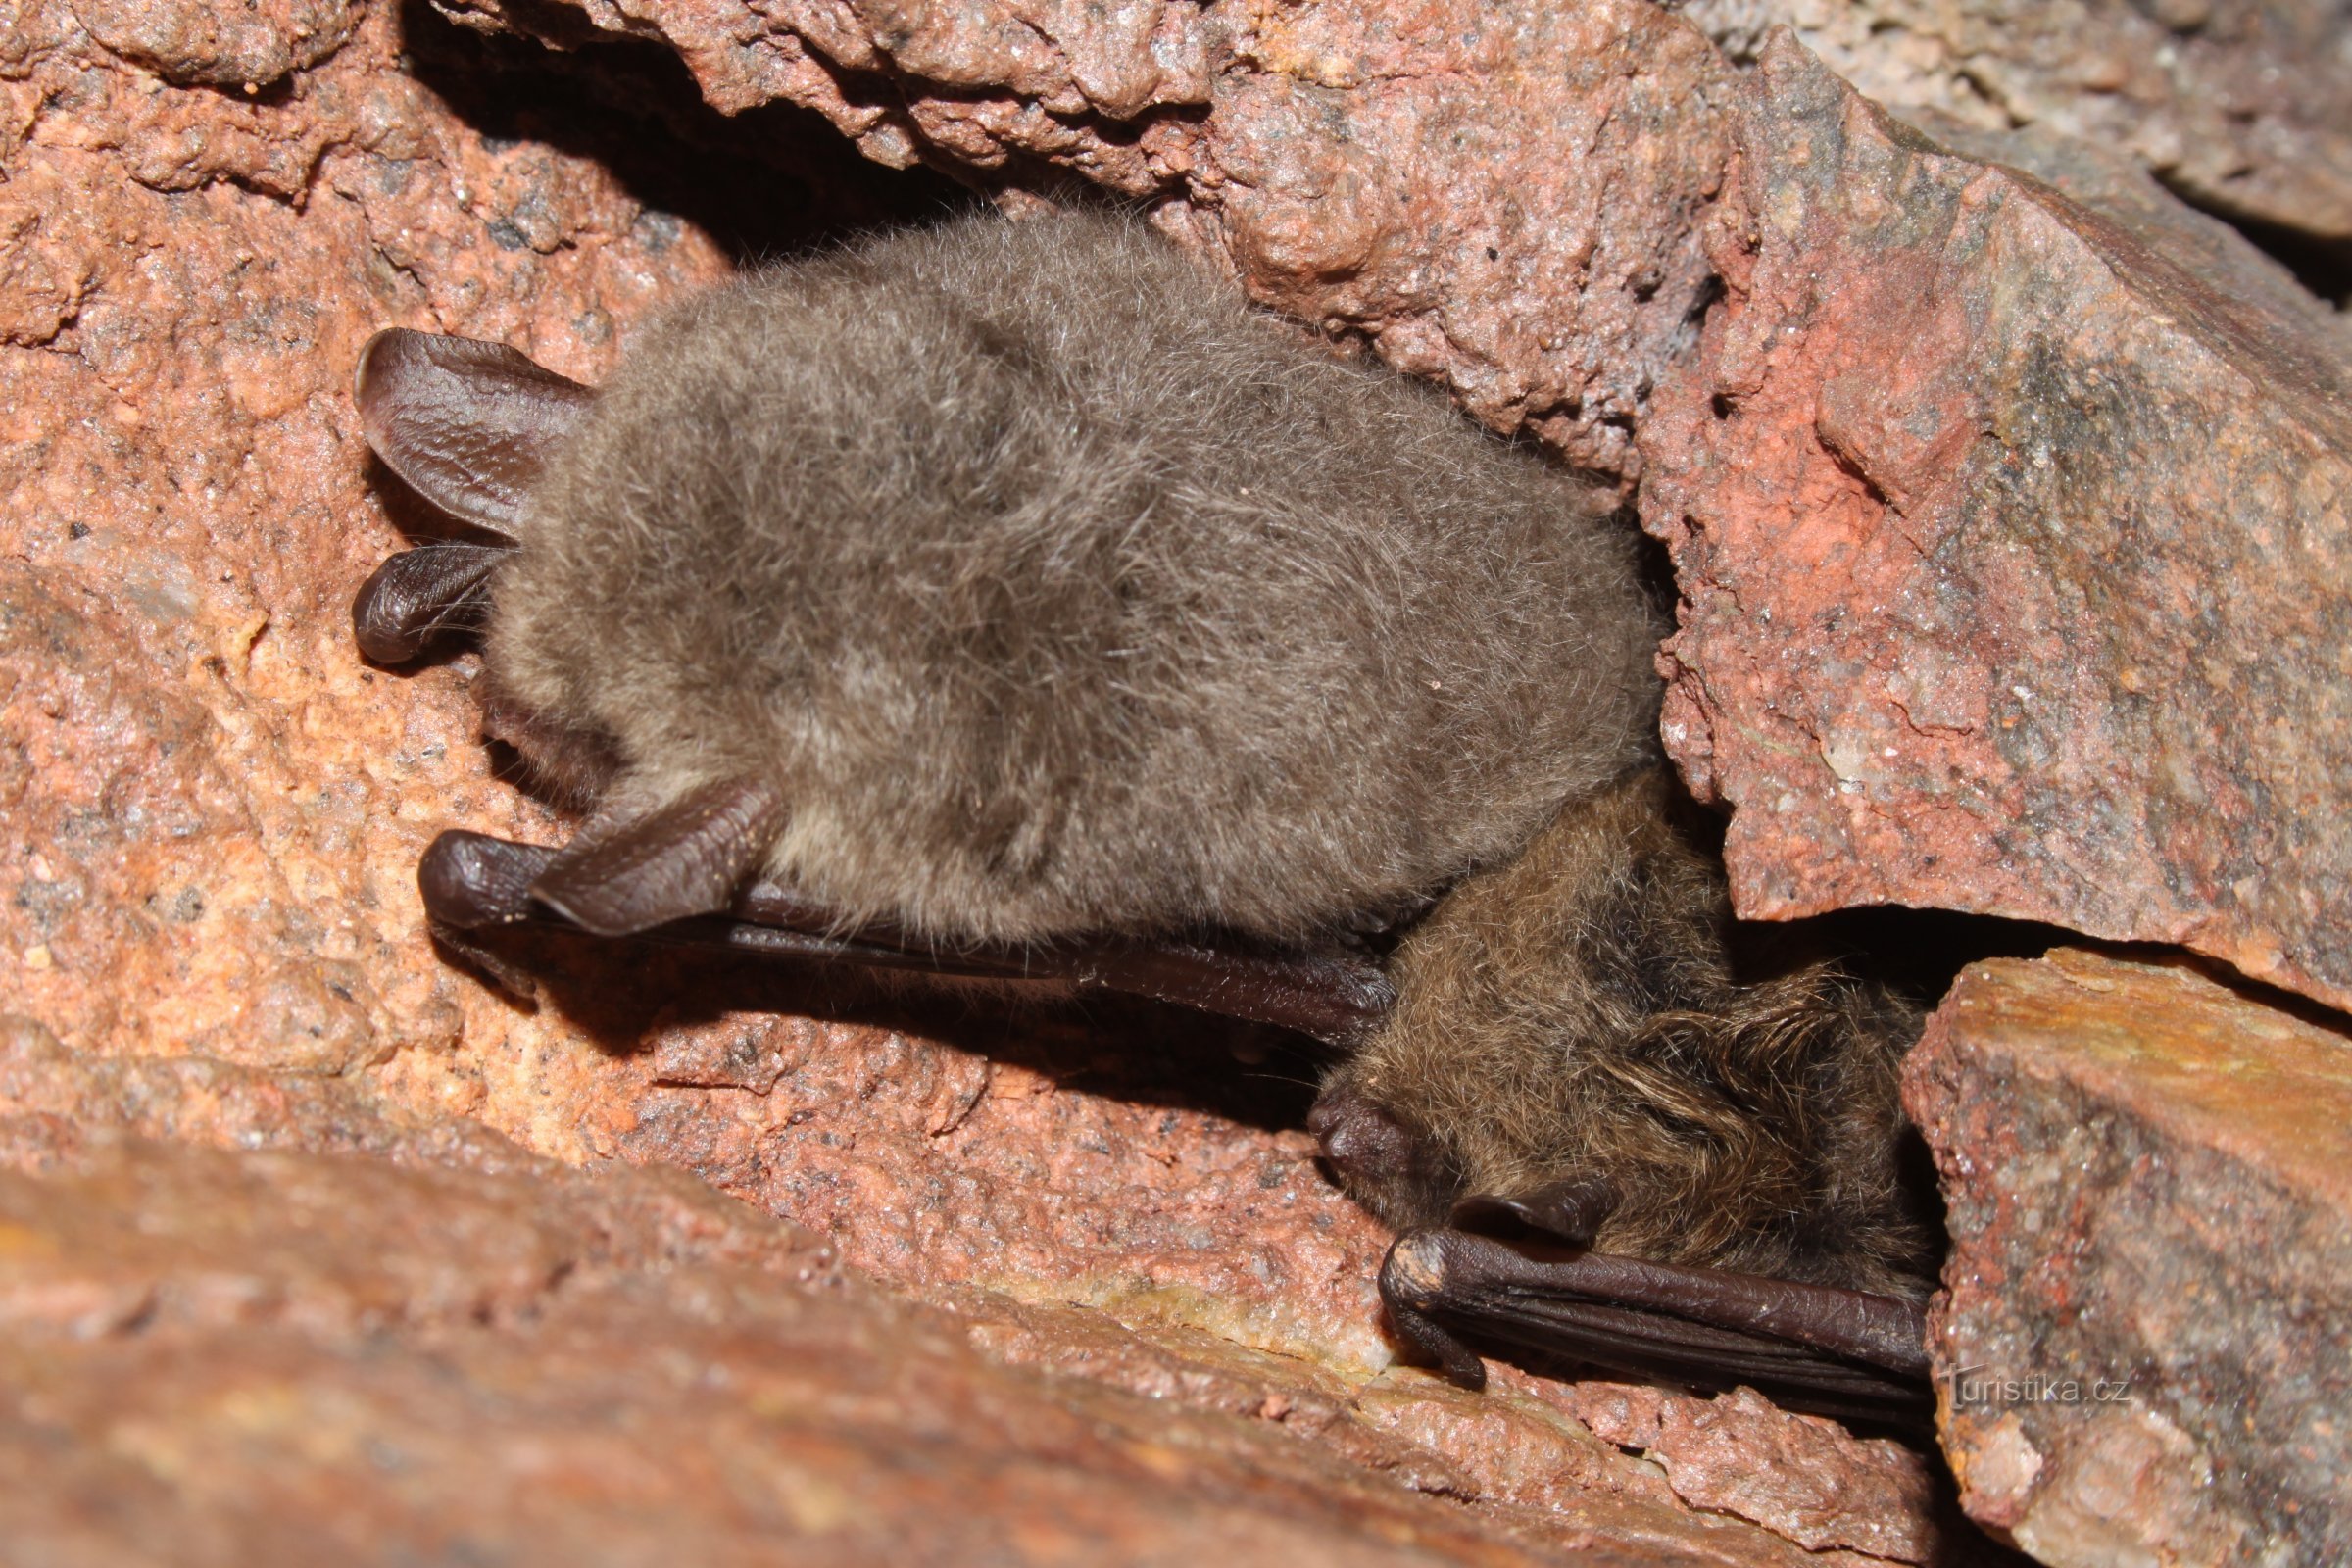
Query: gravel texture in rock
[[2146, 1347], [271, 1356], [2011, 556], [259, 1319]]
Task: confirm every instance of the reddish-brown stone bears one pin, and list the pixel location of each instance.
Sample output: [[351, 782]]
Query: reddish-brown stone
[[1503, 196], [265, 1357], [2012, 557], [359, 1331], [1743, 1457], [244, 47], [2146, 1347], [2243, 106]]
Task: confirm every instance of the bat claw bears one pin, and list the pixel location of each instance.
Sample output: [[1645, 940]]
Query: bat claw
[[511, 978], [1413, 1284]]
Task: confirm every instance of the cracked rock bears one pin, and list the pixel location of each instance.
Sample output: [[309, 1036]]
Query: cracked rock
[[2242, 105], [1503, 196], [331, 1250], [2011, 554], [253, 1318]]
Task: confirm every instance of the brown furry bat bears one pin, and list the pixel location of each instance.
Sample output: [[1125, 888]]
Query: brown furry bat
[[1577, 1011], [1011, 600], [1582, 1048]]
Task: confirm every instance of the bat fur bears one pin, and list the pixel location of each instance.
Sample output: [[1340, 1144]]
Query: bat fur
[[1583, 1010], [1062, 593]]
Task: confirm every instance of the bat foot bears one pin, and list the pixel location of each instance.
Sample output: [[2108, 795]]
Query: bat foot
[[1413, 1287], [508, 976]]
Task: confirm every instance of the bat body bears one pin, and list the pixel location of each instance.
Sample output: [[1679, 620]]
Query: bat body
[[1015, 561], [1011, 600]]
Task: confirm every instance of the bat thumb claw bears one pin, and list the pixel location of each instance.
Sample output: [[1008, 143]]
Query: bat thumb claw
[[472, 881], [1570, 1211], [1412, 1283]]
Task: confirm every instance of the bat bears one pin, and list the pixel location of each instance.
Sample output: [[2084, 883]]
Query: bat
[[1012, 601], [1610, 1122]]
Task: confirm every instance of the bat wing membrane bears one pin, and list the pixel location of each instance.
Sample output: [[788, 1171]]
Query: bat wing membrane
[[681, 870], [1840, 1352]]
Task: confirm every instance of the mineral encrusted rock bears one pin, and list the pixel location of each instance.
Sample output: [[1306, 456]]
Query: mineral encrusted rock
[[2011, 556], [299, 1183], [2148, 1341], [275, 1356], [2242, 105]]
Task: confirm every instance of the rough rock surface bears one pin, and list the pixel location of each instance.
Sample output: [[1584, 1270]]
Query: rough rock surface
[[2242, 105], [1500, 196], [1962, 626], [219, 1357], [350, 1329], [2107, 181], [207, 903], [2147, 1345]]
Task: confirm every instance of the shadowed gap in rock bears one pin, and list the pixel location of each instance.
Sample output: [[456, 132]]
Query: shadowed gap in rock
[[2320, 264], [768, 183]]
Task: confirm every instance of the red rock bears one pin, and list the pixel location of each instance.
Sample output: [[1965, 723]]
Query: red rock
[[1809, 1489], [264, 1358], [359, 1330], [220, 46], [2146, 1346], [2242, 105], [2011, 557]]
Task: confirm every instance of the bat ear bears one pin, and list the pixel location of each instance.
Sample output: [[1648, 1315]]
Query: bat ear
[[684, 859], [468, 424], [1569, 1211], [419, 594]]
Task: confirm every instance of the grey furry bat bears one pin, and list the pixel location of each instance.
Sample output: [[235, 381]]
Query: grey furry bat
[[1011, 600]]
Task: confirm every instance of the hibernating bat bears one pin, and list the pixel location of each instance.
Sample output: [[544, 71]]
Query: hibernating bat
[[1012, 600]]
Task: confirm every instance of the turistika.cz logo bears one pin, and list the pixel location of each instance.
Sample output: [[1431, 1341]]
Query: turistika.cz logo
[[1975, 1385]]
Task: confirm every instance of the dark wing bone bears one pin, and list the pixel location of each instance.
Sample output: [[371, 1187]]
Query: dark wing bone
[[473, 882], [684, 859], [468, 424], [1815, 1347]]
